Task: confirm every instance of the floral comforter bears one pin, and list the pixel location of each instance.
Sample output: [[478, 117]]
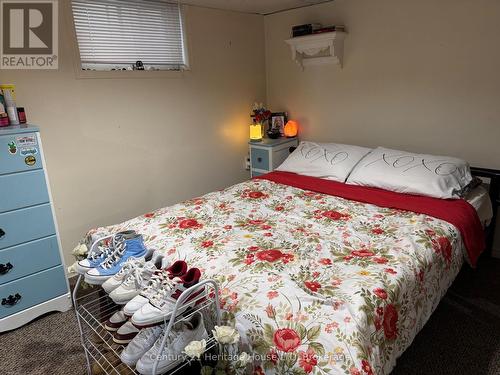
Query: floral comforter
[[318, 284]]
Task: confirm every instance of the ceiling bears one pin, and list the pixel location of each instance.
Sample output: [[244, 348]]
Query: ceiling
[[254, 6]]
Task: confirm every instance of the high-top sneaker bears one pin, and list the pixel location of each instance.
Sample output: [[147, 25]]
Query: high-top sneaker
[[162, 303], [135, 281], [99, 252], [180, 336], [133, 247], [177, 269]]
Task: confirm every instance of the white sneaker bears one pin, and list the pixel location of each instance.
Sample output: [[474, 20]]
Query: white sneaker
[[135, 281], [115, 281], [115, 321], [125, 333], [177, 269], [161, 305], [141, 343], [182, 333]]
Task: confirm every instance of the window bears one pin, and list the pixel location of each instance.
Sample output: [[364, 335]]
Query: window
[[115, 34]]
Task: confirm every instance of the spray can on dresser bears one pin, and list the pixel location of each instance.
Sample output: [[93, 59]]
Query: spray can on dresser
[[10, 106]]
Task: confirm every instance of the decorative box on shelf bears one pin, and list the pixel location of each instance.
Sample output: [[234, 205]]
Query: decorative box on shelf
[[32, 275], [267, 155], [318, 49]]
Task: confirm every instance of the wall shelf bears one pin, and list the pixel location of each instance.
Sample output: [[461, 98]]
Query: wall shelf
[[318, 49]]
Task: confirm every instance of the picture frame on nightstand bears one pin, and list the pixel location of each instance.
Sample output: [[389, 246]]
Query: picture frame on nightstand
[[278, 121]]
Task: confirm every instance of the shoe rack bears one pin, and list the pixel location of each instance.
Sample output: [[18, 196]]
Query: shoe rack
[[102, 354]]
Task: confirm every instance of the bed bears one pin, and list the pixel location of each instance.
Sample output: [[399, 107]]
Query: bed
[[316, 283]]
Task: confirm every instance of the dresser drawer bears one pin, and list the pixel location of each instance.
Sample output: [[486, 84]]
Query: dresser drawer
[[28, 258], [25, 225], [260, 158], [19, 152], [34, 289], [20, 190]]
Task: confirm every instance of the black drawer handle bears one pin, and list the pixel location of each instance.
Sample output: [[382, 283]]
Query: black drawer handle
[[2, 233], [4, 268], [259, 160], [11, 300]]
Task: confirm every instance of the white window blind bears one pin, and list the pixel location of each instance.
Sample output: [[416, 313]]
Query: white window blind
[[115, 34]]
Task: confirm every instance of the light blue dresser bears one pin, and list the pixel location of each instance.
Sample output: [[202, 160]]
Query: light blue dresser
[[268, 154], [32, 275]]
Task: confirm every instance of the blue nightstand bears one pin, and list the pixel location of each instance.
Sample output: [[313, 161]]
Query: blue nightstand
[[268, 154]]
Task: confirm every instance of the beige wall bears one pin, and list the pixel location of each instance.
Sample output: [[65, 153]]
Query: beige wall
[[418, 75], [116, 148]]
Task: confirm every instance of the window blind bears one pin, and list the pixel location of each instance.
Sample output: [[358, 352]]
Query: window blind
[[115, 34]]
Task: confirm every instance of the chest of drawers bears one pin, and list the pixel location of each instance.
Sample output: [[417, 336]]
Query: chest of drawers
[[32, 275]]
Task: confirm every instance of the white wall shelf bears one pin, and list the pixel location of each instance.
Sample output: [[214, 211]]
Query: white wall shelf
[[318, 49]]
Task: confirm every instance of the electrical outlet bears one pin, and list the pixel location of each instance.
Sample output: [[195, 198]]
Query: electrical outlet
[[247, 163]]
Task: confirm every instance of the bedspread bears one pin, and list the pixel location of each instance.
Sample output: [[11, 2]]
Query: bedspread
[[317, 284]]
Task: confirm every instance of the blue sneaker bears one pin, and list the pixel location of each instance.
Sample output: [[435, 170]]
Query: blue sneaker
[[133, 247], [99, 252]]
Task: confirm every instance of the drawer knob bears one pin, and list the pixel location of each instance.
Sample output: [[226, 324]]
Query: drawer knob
[[4, 268], [259, 160], [11, 300], [2, 233]]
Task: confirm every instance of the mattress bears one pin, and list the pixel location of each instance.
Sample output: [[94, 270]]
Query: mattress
[[314, 283], [479, 199]]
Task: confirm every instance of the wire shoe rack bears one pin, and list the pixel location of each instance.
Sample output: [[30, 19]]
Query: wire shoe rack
[[102, 354]]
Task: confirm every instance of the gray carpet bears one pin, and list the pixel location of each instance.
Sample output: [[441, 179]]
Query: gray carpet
[[462, 336]]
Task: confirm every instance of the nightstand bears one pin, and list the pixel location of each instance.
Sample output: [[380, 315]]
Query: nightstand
[[268, 154]]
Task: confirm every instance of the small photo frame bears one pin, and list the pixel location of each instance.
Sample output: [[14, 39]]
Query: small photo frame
[[278, 121]]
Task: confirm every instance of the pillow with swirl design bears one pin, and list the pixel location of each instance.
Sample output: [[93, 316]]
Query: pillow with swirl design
[[331, 161], [406, 172]]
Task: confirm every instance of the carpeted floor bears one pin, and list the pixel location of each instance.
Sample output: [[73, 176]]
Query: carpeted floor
[[462, 336]]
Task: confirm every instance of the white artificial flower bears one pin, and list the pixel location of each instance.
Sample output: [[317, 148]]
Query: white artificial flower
[[80, 249], [226, 335], [195, 348], [244, 359], [72, 268]]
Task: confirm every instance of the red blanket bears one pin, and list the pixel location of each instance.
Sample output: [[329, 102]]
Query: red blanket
[[455, 211]]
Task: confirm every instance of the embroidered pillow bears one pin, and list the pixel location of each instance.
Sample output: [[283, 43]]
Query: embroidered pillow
[[330, 161], [406, 172]]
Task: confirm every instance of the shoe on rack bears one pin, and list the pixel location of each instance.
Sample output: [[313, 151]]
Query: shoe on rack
[[177, 269], [115, 321], [99, 252], [135, 281], [161, 304], [140, 344], [116, 280], [133, 247], [182, 334], [125, 333]]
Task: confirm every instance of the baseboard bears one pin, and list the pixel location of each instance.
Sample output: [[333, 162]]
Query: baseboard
[[61, 303]]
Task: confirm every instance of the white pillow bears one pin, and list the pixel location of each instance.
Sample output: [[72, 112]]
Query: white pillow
[[330, 161], [405, 172]]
